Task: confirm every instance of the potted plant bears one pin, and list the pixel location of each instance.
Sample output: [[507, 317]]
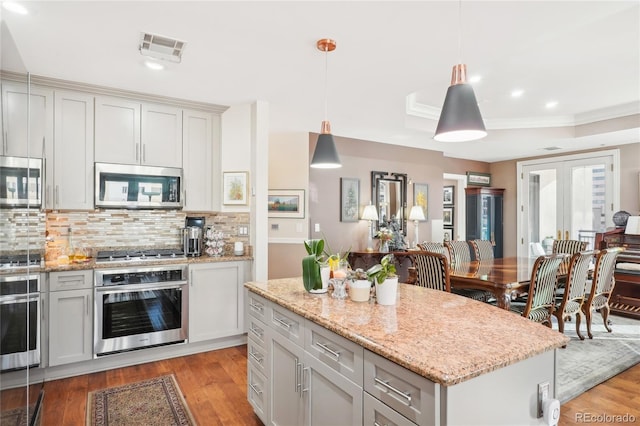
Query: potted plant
[[386, 280], [315, 271], [360, 285]]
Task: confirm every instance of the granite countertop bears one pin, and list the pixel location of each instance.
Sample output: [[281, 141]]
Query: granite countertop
[[441, 336], [55, 266]]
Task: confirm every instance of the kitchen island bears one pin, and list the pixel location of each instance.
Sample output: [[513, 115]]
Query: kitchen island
[[433, 358]]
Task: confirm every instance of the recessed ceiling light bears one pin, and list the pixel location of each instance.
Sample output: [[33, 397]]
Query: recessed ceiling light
[[475, 79], [517, 93], [154, 65], [15, 7], [551, 104]]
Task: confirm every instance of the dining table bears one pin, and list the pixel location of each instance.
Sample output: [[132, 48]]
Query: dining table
[[503, 277]]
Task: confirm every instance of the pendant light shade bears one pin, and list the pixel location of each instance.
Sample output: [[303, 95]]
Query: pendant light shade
[[325, 155]]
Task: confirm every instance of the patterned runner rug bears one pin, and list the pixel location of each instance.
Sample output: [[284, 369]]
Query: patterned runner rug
[[587, 363], [155, 402]]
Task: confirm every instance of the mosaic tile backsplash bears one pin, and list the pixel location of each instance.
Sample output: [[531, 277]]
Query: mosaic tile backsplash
[[48, 232]]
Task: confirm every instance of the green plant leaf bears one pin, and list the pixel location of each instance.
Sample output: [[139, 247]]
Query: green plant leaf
[[311, 273]]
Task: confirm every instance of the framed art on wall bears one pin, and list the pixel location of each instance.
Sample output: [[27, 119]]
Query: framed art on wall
[[421, 197], [349, 199], [478, 179], [234, 188], [286, 203], [447, 195], [447, 216]]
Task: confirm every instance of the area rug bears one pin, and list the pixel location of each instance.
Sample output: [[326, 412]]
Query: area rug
[[157, 401], [586, 363], [16, 416]]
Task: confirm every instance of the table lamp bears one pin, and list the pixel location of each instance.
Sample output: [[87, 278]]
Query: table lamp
[[370, 213], [416, 215]]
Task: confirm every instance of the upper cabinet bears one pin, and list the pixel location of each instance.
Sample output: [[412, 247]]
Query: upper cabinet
[[198, 158], [129, 132]]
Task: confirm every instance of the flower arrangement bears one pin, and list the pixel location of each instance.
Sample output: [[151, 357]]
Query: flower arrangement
[[385, 234], [214, 244]]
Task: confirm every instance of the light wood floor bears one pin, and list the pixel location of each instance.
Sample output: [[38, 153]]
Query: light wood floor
[[214, 386]]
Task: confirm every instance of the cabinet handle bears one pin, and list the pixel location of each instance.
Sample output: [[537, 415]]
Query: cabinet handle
[[255, 389], [4, 142], [406, 396], [137, 149], [57, 199], [257, 331], [46, 194], [258, 359], [559, 235], [256, 306], [297, 385], [566, 235], [42, 309], [87, 297], [191, 278], [308, 372], [328, 349], [144, 152], [283, 323], [44, 152]]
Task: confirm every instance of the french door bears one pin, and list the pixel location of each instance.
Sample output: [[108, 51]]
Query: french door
[[569, 198]]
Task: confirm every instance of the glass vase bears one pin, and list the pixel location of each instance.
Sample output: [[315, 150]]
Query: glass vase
[[384, 247]]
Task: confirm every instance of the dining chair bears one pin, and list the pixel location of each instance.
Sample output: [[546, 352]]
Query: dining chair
[[482, 249], [569, 300], [432, 246], [599, 293], [432, 271], [540, 301], [569, 247], [460, 255]]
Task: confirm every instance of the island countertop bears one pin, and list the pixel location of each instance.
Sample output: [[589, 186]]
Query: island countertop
[[441, 336]]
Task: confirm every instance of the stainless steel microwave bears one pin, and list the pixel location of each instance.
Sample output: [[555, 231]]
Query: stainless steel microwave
[[137, 187], [21, 181]]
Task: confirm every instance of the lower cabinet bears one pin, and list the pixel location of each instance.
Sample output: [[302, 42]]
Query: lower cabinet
[[70, 317], [216, 302]]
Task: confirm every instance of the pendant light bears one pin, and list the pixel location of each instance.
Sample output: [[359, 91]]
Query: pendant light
[[460, 118], [325, 155]]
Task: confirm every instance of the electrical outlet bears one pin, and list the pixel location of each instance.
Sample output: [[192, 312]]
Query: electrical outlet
[[543, 393], [275, 226]]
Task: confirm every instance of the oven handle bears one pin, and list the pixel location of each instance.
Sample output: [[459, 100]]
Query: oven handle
[[128, 288], [20, 298]]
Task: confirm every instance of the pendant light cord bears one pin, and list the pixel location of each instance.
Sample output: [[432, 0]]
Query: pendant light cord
[[326, 79], [459, 31]]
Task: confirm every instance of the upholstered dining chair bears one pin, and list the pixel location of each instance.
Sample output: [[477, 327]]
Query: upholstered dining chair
[[435, 247], [540, 301], [482, 249], [460, 254], [432, 270], [569, 247], [569, 300], [602, 285]]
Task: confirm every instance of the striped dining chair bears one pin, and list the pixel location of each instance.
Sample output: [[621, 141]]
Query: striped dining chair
[[602, 285], [540, 301], [432, 271], [482, 249], [569, 247], [435, 247], [460, 254], [569, 300]]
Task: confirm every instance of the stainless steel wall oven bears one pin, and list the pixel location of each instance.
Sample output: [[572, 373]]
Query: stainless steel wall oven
[[19, 321], [138, 307]]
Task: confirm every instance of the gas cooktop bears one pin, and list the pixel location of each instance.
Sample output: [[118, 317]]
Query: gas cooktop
[[107, 256], [19, 260]]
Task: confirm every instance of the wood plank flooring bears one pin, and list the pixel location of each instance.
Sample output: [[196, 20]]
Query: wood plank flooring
[[214, 386]]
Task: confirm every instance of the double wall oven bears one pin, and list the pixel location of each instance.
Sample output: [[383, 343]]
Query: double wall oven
[[139, 306]]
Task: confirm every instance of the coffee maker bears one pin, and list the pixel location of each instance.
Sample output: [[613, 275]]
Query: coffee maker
[[192, 236]]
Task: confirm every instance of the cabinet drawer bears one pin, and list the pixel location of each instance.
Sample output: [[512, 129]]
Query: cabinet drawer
[[408, 393], [70, 280], [258, 307], [257, 386], [258, 332], [258, 355], [287, 323], [338, 353], [376, 413]]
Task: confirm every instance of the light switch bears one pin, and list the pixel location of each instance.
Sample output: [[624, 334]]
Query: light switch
[[275, 226], [317, 227], [298, 227]]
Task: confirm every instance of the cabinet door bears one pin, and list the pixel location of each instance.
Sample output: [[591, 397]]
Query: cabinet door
[[329, 398], [161, 136], [285, 381], [215, 292], [70, 326], [117, 138], [24, 116], [73, 146], [197, 148]]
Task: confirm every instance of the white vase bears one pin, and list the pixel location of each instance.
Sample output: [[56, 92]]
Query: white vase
[[360, 290], [325, 272], [387, 292]]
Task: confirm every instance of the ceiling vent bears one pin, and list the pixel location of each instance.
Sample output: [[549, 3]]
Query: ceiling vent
[[160, 47], [552, 148]]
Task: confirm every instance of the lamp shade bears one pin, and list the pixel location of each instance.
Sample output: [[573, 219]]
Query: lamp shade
[[370, 213], [326, 155], [460, 119], [416, 213]]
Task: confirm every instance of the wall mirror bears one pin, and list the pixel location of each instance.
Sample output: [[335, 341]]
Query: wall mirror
[[389, 194]]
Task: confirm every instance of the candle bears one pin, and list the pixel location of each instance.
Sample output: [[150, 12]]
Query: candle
[[339, 274]]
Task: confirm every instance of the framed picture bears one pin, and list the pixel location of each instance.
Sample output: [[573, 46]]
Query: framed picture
[[447, 195], [478, 179], [286, 203], [449, 234], [447, 216], [349, 199], [421, 197], [234, 188]]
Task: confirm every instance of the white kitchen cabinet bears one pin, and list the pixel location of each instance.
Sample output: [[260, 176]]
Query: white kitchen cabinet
[[197, 155], [132, 132], [216, 301], [70, 317], [72, 186], [285, 387]]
